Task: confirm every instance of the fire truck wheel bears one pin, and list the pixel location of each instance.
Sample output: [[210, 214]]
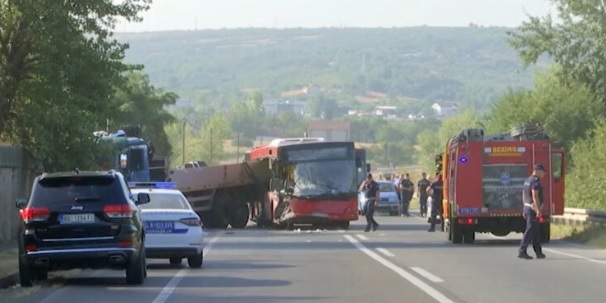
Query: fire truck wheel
[[457, 233], [469, 236]]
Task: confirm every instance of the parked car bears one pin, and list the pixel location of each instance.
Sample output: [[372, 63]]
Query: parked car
[[85, 220], [389, 202]]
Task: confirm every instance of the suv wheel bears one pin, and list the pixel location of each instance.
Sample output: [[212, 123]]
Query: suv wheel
[[136, 271], [195, 262], [26, 275]]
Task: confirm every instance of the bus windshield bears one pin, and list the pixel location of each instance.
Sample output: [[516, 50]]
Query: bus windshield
[[321, 177]]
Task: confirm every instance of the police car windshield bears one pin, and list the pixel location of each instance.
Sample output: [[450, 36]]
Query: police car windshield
[[165, 201]]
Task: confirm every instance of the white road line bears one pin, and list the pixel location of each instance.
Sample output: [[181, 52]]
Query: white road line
[[557, 252], [385, 252], [362, 237], [172, 284], [438, 296], [341, 231], [574, 256], [429, 276]]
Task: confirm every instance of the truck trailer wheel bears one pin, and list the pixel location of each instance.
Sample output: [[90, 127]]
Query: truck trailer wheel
[[545, 230], [469, 236], [238, 215]]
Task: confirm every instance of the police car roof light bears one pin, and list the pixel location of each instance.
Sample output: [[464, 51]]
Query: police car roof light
[[463, 159], [166, 185]]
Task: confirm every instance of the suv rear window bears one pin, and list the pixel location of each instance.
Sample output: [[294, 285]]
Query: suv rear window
[[61, 190]]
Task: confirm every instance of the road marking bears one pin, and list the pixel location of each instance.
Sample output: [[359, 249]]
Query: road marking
[[574, 256], [438, 296], [563, 253], [362, 237], [341, 231], [172, 284], [385, 252], [429, 276]]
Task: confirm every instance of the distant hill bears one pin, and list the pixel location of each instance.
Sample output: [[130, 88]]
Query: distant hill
[[470, 65]]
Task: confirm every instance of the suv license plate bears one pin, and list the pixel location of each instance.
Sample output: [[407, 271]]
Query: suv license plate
[[77, 218]]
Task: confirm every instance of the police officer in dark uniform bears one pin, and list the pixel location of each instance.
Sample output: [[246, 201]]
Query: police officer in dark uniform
[[370, 188], [532, 196], [422, 185], [436, 204]]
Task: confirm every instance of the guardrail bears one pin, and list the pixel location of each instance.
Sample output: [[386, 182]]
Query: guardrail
[[578, 216]]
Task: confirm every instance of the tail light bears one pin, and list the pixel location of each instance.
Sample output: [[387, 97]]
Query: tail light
[[191, 221], [466, 221], [31, 247], [34, 214], [541, 219], [118, 211]]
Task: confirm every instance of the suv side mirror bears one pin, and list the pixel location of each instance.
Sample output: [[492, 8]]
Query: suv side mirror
[[21, 203], [142, 198]]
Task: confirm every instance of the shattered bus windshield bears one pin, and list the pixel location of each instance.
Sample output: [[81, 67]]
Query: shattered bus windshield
[[323, 172]]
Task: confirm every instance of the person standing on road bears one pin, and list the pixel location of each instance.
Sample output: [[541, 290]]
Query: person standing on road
[[436, 197], [407, 189], [532, 196], [370, 188], [422, 185]]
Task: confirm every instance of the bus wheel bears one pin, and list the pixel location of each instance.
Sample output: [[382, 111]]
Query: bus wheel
[[343, 225], [456, 232]]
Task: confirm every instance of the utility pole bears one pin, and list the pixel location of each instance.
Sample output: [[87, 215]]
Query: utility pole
[[238, 148], [183, 143], [211, 145]]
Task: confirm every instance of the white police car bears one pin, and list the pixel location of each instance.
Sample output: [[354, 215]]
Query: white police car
[[173, 230]]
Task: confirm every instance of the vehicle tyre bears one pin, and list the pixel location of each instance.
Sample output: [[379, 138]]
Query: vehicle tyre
[[238, 215], [457, 232], [469, 236], [344, 225], [135, 272], [175, 261], [26, 275], [195, 262]]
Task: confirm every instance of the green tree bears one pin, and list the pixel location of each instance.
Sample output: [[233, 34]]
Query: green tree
[[585, 185], [576, 42], [567, 113], [58, 69], [431, 144], [213, 135], [140, 103]]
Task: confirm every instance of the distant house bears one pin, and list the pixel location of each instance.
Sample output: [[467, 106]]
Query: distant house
[[275, 106], [330, 130], [311, 89], [445, 109]]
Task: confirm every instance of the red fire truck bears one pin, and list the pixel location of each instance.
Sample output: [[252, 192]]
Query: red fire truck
[[483, 180], [285, 183]]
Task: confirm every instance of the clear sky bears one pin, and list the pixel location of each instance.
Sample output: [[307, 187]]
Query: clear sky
[[213, 14]]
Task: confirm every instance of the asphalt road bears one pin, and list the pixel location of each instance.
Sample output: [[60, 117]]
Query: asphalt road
[[401, 262]]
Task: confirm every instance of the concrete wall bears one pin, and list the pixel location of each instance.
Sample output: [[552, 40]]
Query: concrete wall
[[16, 177]]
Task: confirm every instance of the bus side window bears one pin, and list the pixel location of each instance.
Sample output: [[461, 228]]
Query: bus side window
[[556, 165]]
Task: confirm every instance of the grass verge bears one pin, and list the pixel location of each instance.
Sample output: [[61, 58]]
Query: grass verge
[[591, 235], [8, 262]]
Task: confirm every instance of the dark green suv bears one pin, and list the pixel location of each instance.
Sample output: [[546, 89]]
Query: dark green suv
[[86, 220]]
